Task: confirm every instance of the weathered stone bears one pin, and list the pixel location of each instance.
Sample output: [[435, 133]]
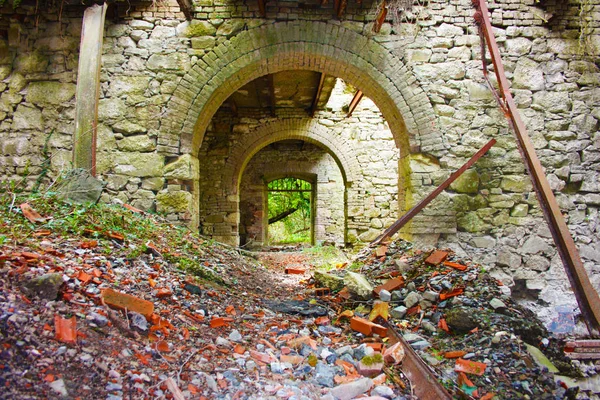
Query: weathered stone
[[328, 280], [79, 186], [537, 263], [29, 63], [111, 109], [516, 183], [27, 118], [141, 24], [185, 167], [528, 75], [141, 143], [552, 101], [358, 285], [153, 184], [203, 42], [173, 202], [128, 128], [412, 299], [497, 304], [169, 62], [460, 321], [519, 46], [128, 85], [399, 312], [45, 287], [471, 222], [519, 210], [348, 391], [468, 182], [230, 27], [534, 245], [200, 28], [139, 164], [50, 92]]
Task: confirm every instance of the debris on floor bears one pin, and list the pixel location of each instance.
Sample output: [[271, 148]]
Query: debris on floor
[[107, 302]]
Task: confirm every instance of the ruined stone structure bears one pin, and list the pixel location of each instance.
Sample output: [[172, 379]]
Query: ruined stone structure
[[170, 140]]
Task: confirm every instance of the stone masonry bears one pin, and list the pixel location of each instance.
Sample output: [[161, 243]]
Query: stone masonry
[[164, 80]]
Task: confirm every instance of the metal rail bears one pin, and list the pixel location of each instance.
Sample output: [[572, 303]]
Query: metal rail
[[425, 384], [396, 226], [586, 295]]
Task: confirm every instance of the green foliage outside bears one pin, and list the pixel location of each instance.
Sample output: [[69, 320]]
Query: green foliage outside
[[295, 227]]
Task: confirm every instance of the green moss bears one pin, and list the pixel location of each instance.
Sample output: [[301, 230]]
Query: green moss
[[373, 359]]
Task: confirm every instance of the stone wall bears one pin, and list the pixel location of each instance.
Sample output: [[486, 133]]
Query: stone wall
[[299, 160], [163, 80]]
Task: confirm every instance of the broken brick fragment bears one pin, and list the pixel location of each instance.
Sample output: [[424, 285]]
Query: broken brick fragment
[[295, 270], [262, 357], [381, 251], [124, 301], [322, 291], [367, 327], [470, 367], [437, 257], [65, 329], [454, 265], [454, 354], [163, 292], [294, 360], [390, 285]]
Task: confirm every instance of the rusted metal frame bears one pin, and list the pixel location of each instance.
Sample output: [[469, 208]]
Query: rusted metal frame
[[262, 8], [424, 383], [380, 17], [396, 226], [186, 8], [355, 100], [586, 295], [315, 103]]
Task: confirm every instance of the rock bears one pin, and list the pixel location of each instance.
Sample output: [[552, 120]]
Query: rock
[[468, 182], [140, 143], [384, 295], [398, 312], [497, 304], [137, 164], [185, 167], [79, 186], [460, 321], [528, 75], [128, 128], [384, 391], [358, 285], [173, 202], [349, 391], [540, 358], [324, 374], [394, 354], [59, 387], [45, 287], [429, 327], [431, 296], [420, 345], [301, 307], [370, 369], [138, 321], [235, 336], [200, 28], [47, 92], [193, 289], [331, 281], [27, 118], [97, 319], [412, 299], [534, 245]]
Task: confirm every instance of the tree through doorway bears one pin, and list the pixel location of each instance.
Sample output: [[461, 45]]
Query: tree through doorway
[[290, 211]]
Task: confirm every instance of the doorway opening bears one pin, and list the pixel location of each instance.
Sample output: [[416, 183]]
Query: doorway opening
[[290, 211]]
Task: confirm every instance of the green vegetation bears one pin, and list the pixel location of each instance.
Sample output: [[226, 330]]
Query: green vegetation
[[289, 205], [376, 358]]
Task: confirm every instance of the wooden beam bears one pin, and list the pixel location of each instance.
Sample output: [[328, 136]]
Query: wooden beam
[[396, 226], [186, 8], [88, 88], [341, 7], [315, 103], [262, 8], [355, 100], [271, 93]]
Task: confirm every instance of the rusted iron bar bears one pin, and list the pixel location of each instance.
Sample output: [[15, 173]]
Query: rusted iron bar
[[88, 88], [355, 100], [586, 295], [425, 384], [380, 17], [396, 226], [186, 8], [315, 103]]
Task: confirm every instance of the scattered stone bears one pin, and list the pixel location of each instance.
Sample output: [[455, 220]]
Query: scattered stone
[[398, 312], [45, 287], [79, 186], [349, 391], [412, 299], [301, 307], [358, 285], [329, 280], [497, 304], [384, 295], [460, 321]]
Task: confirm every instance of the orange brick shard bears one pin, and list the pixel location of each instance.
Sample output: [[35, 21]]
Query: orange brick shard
[[297, 271], [437, 257], [124, 301], [367, 327], [390, 286]]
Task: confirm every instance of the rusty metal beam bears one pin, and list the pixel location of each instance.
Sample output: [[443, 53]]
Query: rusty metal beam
[[396, 226], [355, 100], [315, 103], [380, 17], [586, 295], [186, 8], [424, 382]]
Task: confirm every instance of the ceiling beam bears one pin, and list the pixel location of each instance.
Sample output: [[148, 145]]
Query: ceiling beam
[[355, 100], [262, 8], [340, 7], [186, 8], [315, 103]]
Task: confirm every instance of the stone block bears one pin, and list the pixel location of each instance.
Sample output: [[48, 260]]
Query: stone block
[[139, 164], [27, 118], [141, 143], [173, 202], [185, 167], [42, 93]]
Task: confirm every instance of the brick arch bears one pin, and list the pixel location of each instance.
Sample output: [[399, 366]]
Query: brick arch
[[301, 128], [318, 46]]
